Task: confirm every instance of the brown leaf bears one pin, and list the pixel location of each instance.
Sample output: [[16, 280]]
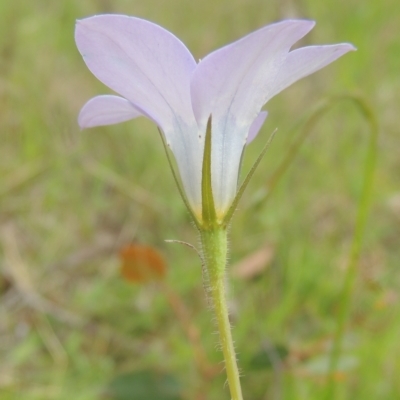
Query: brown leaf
[[254, 264], [141, 264]]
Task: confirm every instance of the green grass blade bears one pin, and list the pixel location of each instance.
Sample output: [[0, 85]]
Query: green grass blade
[[360, 225]]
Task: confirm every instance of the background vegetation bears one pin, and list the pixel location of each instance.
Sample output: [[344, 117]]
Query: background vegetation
[[72, 328]]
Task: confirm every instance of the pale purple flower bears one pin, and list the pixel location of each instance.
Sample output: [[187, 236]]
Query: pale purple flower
[[158, 78]]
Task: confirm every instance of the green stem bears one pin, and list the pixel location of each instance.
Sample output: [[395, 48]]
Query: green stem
[[214, 242]]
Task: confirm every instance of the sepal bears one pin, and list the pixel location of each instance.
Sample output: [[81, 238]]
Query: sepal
[[228, 216], [209, 215], [178, 183]]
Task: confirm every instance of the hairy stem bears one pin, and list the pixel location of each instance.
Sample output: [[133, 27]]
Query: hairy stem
[[214, 242]]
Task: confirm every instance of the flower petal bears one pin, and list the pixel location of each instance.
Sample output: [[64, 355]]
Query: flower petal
[[106, 110], [141, 61], [305, 61], [256, 126], [151, 68], [231, 84]]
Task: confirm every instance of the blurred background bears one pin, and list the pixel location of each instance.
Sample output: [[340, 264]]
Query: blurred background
[[75, 205]]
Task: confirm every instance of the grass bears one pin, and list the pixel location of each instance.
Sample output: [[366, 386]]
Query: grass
[[69, 200]]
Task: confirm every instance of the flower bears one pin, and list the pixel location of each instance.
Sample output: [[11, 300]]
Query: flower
[[158, 78]]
